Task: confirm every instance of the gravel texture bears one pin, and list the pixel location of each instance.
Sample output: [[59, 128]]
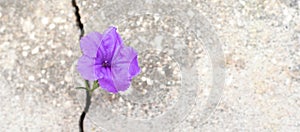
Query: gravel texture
[[260, 42]]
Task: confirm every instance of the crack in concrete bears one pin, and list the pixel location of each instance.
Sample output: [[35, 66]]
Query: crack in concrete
[[88, 100], [78, 17]]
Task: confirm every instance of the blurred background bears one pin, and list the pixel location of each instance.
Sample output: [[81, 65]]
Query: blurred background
[[260, 42]]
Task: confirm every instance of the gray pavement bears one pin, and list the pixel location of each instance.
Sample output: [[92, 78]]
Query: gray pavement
[[260, 40]]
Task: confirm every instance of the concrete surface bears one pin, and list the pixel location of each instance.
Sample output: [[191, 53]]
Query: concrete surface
[[260, 40]]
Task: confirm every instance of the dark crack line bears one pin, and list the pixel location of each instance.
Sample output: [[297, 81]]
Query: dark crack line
[[78, 17], [88, 101]]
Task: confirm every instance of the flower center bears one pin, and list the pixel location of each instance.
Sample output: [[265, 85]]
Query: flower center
[[105, 64]]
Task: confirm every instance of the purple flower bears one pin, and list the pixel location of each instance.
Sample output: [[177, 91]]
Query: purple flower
[[106, 59]]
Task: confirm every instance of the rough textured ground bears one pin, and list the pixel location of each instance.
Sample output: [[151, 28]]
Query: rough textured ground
[[260, 40]]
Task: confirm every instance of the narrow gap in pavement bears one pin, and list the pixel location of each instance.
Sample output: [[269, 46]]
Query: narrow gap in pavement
[[78, 17]]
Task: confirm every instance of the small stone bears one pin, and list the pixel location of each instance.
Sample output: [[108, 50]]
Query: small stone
[[144, 91], [54, 102], [45, 20], [68, 78], [50, 42], [149, 82], [51, 88], [62, 62], [27, 25], [2, 29], [32, 36], [27, 47], [288, 16], [144, 78], [43, 71], [51, 26], [83, 3], [31, 78], [143, 69], [25, 53], [162, 86], [190, 13], [44, 80], [297, 28], [240, 23], [121, 100], [168, 83], [58, 20], [158, 40], [35, 50], [129, 105], [69, 53], [295, 71], [67, 104]]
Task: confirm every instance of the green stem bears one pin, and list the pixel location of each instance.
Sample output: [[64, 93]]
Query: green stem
[[88, 102]]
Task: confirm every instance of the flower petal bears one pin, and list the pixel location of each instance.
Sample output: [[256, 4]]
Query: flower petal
[[125, 55], [110, 44], [134, 68], [121, 71], [106, 82], [121, 77], [90, 43], [86, 67]]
